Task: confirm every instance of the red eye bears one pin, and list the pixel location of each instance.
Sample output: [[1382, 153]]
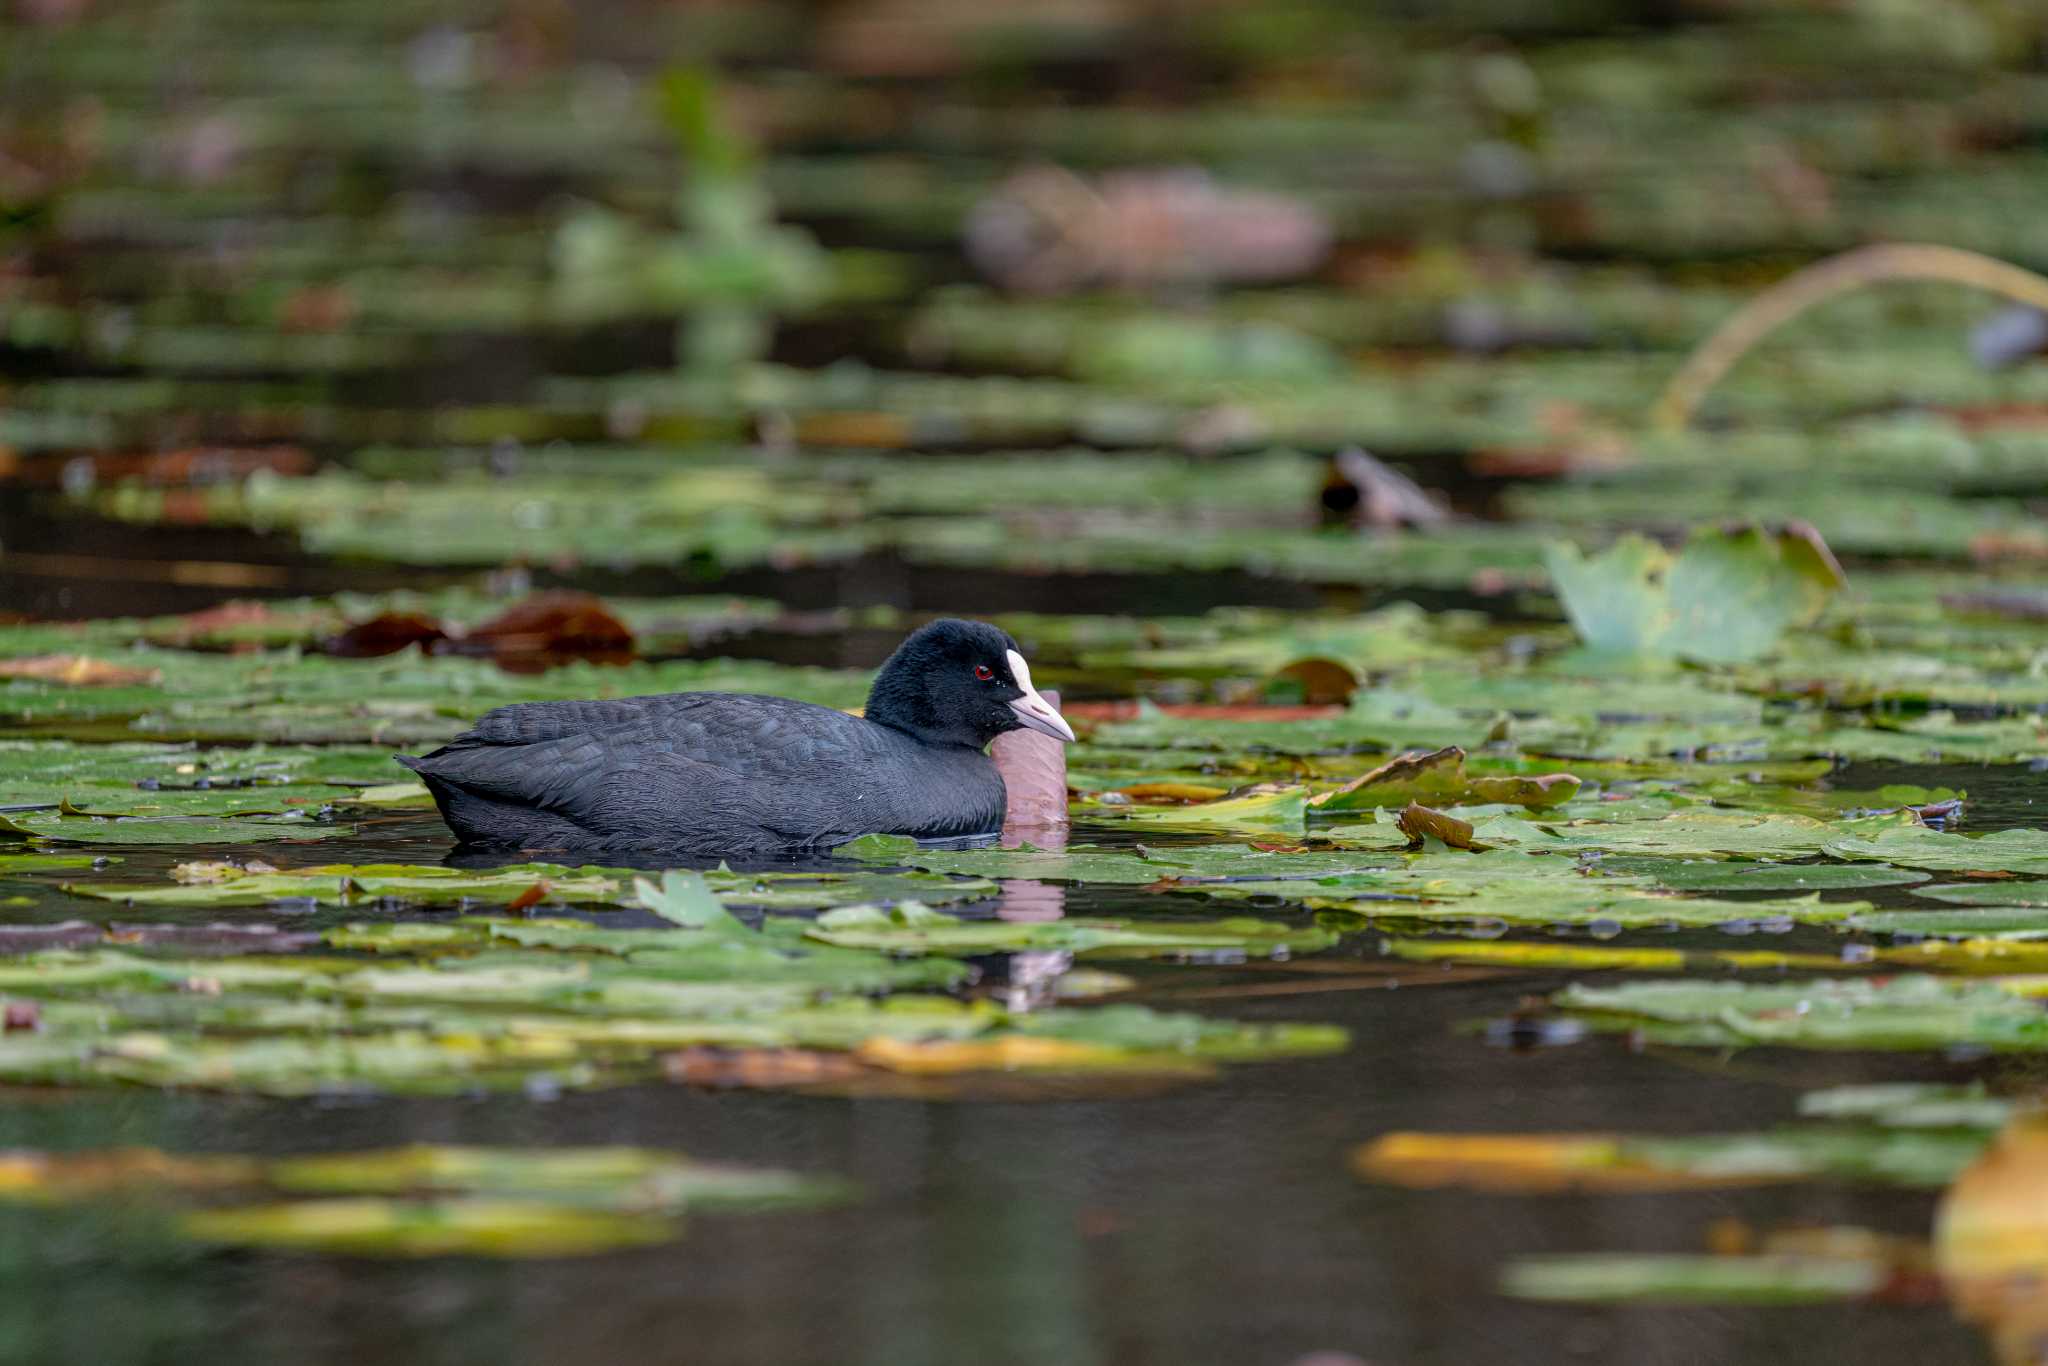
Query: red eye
[[984, 672]]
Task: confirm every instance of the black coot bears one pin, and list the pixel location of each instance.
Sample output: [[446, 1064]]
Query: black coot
[[712, 773]]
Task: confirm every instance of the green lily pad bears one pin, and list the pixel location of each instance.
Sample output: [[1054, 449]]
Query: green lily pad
[[342, 884], [2029, 894], [1638, 1278], [1918, 846], [1733, 875], [1964, 922], [69, 828], [1135, 866], [1905, 1013], [1911, 1105], [1727, 597], [911, 928]]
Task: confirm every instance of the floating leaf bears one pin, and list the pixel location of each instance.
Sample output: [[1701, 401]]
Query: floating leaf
[[2016, 894], [1632, 1278], [1902, 1013], [911, 928], [1731, 875], [1919, 846], [683, 899], [429, 1228], [76, 671], [1283, 807], [1439, 779], [1612, 1162], [1725, 599], [73, 828]]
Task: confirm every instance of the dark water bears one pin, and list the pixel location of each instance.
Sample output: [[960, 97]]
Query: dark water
[[1216, 1223]]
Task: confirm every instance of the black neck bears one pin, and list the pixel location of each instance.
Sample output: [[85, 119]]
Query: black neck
[[897, 702]]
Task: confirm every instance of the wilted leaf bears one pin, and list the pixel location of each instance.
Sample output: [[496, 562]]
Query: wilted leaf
[[1422, 825]]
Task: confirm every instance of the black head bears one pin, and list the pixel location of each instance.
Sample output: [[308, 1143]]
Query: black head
[[960, 683]]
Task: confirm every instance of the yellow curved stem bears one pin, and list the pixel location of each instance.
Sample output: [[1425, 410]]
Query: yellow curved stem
[[1801, 290]]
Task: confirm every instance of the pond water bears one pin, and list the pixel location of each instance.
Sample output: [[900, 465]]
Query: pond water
[[1502, 864], [1215, 1222]]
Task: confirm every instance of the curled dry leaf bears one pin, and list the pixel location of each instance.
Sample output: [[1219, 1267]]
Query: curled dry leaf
[[1419, 823]]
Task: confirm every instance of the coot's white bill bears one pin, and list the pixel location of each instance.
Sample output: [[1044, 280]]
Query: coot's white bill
[[1033, 710]]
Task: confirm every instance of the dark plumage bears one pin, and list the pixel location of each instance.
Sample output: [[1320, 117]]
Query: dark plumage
[[715, 773]]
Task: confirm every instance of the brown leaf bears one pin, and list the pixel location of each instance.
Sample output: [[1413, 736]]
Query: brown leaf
[[1418, 823], [77, 671], [557, 623], [384, 634], [193, 626], [532, 896], [758, 1067], [1324, 682]]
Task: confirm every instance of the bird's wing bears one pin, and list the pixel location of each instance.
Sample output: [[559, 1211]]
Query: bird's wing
[[573, 757]]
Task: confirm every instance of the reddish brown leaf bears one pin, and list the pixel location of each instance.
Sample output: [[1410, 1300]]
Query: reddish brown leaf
[[1324, 682], [532, 896], [182, 630], [384, 634], [554, 623]]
